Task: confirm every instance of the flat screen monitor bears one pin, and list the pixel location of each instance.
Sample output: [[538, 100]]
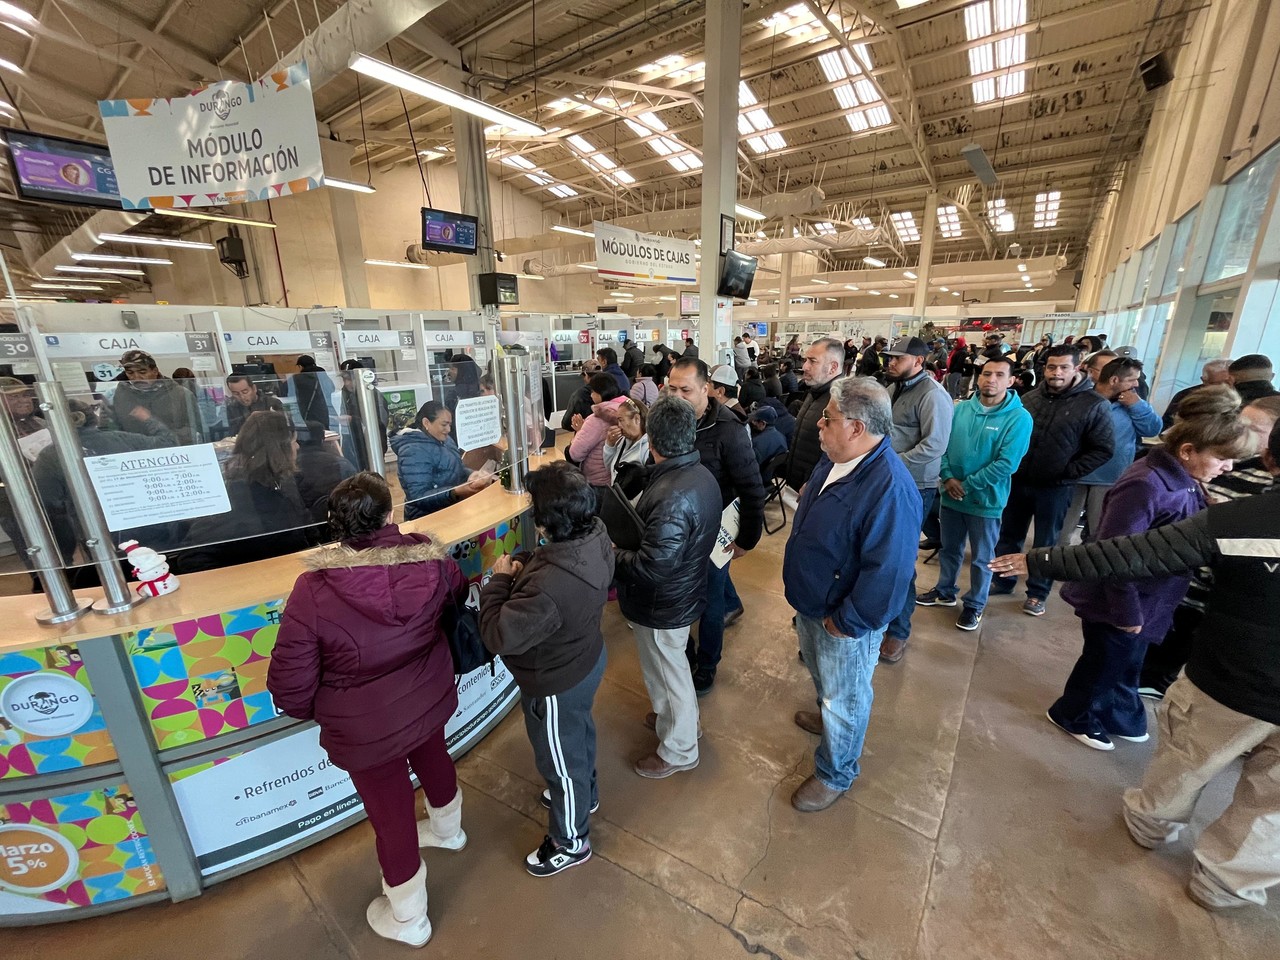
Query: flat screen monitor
[[448, 232], [736, 276], [58, 170]]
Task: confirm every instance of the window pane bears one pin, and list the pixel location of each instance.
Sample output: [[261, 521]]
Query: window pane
[[1181, 238], [1237, 231]]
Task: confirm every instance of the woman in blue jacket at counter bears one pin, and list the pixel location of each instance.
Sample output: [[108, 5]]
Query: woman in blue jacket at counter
[[430, 466]]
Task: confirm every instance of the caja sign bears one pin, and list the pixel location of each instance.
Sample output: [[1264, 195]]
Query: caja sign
[[46, 704]]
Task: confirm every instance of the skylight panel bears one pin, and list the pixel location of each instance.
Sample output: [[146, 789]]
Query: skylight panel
[[825, 228], [1046, 209], [949, 222], [1000, 216], [866, 92], [745, 97], [904, 223], [878, 116], [858, 121], [754, 123], [564, 192], [846, 96], [518, 161], [540, 181], [599, 162], [983, 19], [581, 143], [863, 223]]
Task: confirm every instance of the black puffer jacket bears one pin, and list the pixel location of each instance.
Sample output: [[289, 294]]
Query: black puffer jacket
[[806, 450], [725, 447], [1071, 435], [664, 583], [1234, 658]]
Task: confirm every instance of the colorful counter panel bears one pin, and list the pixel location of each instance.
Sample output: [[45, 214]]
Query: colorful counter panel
[[49, 718]]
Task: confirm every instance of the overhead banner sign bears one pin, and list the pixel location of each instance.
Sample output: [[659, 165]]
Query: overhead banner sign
[[167, 344], [378, 339], [627, 255], [253, 341], [228, 143]]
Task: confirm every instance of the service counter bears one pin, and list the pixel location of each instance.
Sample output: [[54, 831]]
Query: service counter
[[141, 756]]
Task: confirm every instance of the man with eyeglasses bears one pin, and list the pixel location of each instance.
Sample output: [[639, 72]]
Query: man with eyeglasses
[[850, 556]]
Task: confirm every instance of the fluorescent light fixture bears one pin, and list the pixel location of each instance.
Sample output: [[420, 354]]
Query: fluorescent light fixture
[[955, 293], [747, 213], [979, 163], [12, 67], [349, 185], [119, 258], [1022, 268], [874, 293], [1026, 276], [121, 271], [143, 241], [944, 289], [529, 276], [560, 228], [819, 280], [15, 12], [586, 266], [893, 296], [396, 263], [872, 262], [64, 286], [909, 275], [219, 217], [362, 63], [64, 279]]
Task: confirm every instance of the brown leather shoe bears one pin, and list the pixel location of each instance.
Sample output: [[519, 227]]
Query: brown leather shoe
[[810, 720], [814, 795], [892, 649], [651, 721], [655, 768]]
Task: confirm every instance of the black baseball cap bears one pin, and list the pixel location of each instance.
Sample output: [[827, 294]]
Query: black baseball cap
[[907, 347]]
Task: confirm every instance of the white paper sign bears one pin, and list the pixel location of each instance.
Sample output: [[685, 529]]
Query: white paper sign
[[158, 486], [640, 256], [722, 552], [228, 143], [476, 422]]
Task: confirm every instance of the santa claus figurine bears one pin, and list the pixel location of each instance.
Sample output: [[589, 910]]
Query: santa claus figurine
[[150, 569]]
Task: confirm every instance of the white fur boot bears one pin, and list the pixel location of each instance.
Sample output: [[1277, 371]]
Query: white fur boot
[[444, 828], [401, 912]]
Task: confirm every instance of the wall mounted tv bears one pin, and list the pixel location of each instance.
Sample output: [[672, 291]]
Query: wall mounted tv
[[448, 232], [736, 276], [58, 170]]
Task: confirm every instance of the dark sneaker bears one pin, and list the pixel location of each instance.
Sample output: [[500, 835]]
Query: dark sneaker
[[1033, 607], [1001, 587], [934, 599], [545, 800], [550, 858], [732, 617], [970, 619], [703, 681], [1098, 740], [929, 543]]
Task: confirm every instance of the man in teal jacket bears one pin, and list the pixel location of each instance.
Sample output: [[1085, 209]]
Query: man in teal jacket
[[989, 437]]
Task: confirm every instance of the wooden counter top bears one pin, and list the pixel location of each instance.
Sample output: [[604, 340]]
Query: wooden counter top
[[231, 588]]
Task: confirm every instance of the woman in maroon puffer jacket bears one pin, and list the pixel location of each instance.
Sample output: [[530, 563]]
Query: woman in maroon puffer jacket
[[362, 652]]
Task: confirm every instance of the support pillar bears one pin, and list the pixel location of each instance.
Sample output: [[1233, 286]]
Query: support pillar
[[928, 231], [719, 159], [473, 189], [784, 282]]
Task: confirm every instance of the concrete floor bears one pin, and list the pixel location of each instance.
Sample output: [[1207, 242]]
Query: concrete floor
[[976, 831]]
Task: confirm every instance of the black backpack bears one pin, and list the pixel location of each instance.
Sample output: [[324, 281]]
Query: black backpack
[[461, 623]]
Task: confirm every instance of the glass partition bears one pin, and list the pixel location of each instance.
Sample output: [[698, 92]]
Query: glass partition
[[1242, 209], [215, 472], [1181, 240]]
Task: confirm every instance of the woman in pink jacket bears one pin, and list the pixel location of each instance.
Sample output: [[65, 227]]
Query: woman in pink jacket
[[587, 449]]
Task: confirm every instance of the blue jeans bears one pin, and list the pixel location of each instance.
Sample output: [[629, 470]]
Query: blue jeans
[[722, 598], [1047, 506], [980, 532], [1101, 695], [901, 624], [841, 668]]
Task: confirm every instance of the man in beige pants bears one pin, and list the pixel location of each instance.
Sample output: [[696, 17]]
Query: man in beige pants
[[1226, 704]]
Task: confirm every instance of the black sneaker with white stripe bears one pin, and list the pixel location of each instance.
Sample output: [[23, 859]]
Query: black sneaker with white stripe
[[545, 800], [550, 858]]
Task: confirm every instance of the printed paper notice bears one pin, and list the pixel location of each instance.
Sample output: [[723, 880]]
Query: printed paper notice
[[476, 422], [158, 486], [722, 552]]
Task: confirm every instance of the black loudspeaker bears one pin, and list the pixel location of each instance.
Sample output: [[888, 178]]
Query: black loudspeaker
[[231, 255], [1155, 72]]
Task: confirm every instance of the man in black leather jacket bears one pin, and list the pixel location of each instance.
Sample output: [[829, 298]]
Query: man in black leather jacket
[[662, 585], [822, 364]]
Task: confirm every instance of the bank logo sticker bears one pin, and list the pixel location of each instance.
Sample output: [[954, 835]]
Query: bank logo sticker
[[35, 859], [46, 704]]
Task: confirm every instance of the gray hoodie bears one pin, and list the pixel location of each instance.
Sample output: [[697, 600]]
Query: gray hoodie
[[922, 413]]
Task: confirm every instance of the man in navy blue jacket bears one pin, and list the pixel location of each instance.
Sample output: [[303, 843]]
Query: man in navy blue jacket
[[851, 554]]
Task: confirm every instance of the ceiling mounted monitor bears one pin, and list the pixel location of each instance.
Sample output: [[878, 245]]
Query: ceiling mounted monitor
[[447, 232], [737, 276], [57, 170]]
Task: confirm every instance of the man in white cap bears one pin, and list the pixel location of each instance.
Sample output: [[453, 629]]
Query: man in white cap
[[922, 413], [724, 388]]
